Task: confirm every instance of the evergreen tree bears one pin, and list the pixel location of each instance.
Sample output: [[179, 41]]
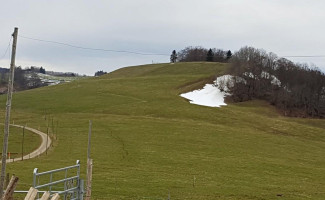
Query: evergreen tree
[[42, 70], [173, 57], [100, 73], [229, 54], [210, 56]]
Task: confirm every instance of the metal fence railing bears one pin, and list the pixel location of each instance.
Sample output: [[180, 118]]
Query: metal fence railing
[[64, 181]]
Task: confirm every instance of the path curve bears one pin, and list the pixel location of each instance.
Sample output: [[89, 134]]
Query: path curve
[[41, 149]]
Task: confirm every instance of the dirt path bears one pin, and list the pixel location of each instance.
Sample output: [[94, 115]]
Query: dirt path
[[46, 143]]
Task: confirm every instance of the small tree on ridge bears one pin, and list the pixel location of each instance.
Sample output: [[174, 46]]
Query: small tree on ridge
[[173, 57], [210, 56]]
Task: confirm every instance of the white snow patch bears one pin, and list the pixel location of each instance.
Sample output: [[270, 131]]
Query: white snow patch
[[250, 74], [226, 78], [224, 81], [275, 81], [265, 75], [210, 96]]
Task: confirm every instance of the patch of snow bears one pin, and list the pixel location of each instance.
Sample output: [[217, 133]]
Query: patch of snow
[[225, 78], [52, 82], [213, 95], [275, 81], [209, 96], [41, 74], [226, 81], [265, 75], [222, 82], [250, 74]]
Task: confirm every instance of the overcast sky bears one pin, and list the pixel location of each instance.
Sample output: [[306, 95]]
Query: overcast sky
[[285, 27]]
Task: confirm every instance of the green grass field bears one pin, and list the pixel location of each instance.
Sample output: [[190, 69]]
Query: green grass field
[[148, 142], [31, 141]]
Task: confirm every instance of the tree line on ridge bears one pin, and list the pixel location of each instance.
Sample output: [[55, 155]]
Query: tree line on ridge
[[199, 54]]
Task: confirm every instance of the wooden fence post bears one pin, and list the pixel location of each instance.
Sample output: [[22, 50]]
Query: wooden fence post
[[56, 197], [89, 164], [31, 194], [89, 178], [46, 196], [11, 188]]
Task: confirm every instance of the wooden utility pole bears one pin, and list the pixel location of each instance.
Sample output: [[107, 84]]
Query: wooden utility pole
[[8, 109], [7, 181]]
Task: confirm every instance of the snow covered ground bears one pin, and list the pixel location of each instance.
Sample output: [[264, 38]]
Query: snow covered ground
[[55, 80], [210, 95], [45, 78]]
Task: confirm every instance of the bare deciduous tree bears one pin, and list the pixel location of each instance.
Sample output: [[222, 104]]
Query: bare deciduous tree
[[297, 89]]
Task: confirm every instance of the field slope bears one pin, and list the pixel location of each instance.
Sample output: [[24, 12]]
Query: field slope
[[148, 142]]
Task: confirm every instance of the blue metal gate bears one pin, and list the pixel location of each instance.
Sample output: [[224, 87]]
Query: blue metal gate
[[65, 181]]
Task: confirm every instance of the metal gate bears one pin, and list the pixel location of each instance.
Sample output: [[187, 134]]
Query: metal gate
[[65, 181]]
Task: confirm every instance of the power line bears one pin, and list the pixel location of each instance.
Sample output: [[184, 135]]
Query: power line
[[93, 49], [6, 49], [310, 56], [133, 52]]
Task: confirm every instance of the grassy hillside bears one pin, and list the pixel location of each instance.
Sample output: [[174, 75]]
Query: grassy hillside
[[149, 142]]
